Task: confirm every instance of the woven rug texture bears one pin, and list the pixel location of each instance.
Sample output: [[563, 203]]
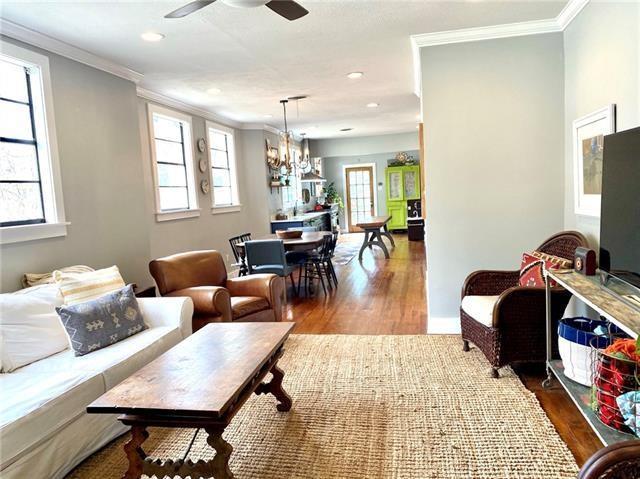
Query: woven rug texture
[[377, 407]]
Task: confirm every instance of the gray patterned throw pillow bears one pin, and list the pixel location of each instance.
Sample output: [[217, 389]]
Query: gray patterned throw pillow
[[103, 321]]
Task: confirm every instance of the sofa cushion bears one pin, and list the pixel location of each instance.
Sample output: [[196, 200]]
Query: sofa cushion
[[30, 329], [79, 287], [34, 279], [103, 321], [480, 308], [118, 361], [242, 306], [36, 405]]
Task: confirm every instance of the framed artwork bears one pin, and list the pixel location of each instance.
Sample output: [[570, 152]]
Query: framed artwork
[[588, 141]]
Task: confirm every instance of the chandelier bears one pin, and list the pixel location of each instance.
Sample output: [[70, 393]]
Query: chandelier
[[302, 162]]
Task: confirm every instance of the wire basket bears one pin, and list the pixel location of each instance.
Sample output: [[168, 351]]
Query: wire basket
[[614, 376]]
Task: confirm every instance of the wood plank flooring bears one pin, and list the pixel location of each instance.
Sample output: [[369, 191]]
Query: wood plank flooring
[[381, 296]]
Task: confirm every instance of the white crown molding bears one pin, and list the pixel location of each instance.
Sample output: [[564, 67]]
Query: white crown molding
[[492, 32], [23, 34], [569, 12], [186, 108], [260, 126]]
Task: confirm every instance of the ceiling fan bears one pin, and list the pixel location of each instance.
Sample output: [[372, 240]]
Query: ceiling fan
[[286, 8]]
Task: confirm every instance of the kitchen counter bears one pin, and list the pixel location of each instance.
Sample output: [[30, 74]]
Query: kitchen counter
[[304, 216]]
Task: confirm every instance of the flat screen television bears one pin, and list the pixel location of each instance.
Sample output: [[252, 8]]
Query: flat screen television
[[620, 216]]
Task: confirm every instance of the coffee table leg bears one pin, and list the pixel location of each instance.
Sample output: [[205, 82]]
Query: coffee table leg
[[275, 387], [220, 463], [134, 452]]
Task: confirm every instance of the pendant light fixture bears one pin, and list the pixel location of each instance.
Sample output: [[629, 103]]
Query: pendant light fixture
[[286, 138]]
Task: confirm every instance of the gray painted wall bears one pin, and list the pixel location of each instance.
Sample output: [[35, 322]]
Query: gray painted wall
[[209, 231], [104, 197], [108, 188], [333, 171], [364, 145], [494, 157], [602, 66]]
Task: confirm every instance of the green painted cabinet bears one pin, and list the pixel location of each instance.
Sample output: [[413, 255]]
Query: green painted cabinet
[[403, 184]]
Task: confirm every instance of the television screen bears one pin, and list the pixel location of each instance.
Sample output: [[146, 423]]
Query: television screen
[[620, 217]]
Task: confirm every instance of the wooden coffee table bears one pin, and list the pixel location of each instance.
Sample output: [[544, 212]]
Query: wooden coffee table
[[200, 383]]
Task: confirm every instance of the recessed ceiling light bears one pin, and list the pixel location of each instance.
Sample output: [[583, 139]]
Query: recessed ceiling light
[[152, 36], [355, 75], [373, 105], [268, 116], [346, 129], [214, 91]]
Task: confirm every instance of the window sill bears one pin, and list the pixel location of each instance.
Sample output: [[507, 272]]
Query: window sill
[[177, 214], [19, 234], [216, 210]]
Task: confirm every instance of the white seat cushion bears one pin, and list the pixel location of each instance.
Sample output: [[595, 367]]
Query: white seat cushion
[[480, 308], [35, 406], [116, 362]]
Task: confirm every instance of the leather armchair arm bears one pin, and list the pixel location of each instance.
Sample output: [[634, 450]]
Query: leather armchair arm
[[489, 283], [208, 300], [268, 286]]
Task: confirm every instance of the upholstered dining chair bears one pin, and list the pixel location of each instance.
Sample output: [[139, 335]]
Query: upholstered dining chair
[[268, 256], [507, 322], [202, 276]]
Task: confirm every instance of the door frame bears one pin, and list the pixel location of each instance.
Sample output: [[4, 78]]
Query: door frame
[[344, 182]]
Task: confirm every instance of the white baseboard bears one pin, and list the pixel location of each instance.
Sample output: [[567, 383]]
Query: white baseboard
[[443, 325]]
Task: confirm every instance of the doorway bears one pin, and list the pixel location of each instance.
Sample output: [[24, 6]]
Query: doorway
[[359, 181]]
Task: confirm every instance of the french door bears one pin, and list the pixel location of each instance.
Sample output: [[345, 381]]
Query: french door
[[359, 181]]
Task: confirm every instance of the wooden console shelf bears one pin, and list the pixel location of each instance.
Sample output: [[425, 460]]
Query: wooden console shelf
[[589, 290]]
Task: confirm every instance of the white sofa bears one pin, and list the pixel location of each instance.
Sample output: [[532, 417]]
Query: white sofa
[[44, 428]]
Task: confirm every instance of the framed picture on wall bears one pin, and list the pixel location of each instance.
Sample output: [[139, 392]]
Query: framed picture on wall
[[588, 141]]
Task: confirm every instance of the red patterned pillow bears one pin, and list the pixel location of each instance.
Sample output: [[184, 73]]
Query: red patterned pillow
[[533, 264]]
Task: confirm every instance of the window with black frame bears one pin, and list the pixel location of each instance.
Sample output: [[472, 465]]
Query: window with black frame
[[21, 193], [169, 140], [222, 168]]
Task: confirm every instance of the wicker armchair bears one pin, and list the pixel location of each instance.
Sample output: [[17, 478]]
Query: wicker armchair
[[618, 461], [517, 320]]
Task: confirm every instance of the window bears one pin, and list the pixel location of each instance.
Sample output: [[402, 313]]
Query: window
[[293, 192], [31, 204], [171, 148], [224, 180]]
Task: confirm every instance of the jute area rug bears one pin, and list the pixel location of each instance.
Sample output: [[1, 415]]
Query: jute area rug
[[378, 407]]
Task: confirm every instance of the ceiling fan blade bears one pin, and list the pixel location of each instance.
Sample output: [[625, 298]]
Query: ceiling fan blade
[[288, 9], [189, 8]]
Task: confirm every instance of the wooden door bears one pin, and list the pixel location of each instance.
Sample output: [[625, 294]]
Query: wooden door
[[359, 181]]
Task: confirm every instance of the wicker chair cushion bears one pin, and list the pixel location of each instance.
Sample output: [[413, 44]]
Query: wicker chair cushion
[[480, 308]]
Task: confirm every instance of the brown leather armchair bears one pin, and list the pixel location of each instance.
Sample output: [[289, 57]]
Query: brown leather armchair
[[202, 276]]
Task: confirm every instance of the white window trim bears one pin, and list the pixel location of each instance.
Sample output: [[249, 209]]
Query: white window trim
[[194, 210], [50, 176], [233, 163]]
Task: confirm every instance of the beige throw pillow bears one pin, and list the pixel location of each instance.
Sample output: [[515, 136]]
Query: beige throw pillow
[[80, 287], [35, 279]]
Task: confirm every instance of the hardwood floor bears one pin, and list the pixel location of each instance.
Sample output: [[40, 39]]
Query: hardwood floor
[[381, 296]]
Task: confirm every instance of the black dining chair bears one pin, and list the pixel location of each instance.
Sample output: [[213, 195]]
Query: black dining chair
[[238, 254], [267, 256], [317, 266]]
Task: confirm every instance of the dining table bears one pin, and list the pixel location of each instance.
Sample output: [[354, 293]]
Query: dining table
[[309, 241]]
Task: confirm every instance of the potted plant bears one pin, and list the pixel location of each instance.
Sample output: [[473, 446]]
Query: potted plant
[[332, 195]]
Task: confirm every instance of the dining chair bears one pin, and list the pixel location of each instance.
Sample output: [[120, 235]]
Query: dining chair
[[237, 253], [268, 256], [318, 266]]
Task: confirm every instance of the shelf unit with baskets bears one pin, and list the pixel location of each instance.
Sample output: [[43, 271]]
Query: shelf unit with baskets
[[588, 290]]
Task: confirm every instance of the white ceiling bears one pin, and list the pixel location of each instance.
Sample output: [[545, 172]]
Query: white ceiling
[[257, 58]]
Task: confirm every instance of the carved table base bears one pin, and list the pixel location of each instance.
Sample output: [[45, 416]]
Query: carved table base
[[216, 468]]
